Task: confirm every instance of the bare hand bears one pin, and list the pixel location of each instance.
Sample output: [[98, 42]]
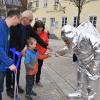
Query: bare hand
[[13, 68], [49, 54], [23, 53]]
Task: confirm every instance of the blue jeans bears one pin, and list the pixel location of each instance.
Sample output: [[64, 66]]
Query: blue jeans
[[29, 84], [2, 75]]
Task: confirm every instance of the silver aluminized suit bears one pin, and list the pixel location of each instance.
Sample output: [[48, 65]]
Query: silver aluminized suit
[[85, 43]]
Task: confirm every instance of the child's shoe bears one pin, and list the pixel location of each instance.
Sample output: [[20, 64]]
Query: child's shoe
[[28, 97], [39, 84]]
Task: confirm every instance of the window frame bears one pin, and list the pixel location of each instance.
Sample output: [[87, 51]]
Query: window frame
[[44, 20], [64, 21], [56, 4], [93, 20], [36, 19], [75, 21], [37, 3], [45, 3], [52, 22]]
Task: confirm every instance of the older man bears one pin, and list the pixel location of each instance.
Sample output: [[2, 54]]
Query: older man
[[18, 41]]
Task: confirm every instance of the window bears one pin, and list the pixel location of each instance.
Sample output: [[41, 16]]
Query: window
[[52, 22], [45, 3], [93, 20], [16, 2], [56, 2], [44, 20], [30, 5], [75, 21], [13, 2], [64, 21], [37, 3], [9, 2], [2, 13]]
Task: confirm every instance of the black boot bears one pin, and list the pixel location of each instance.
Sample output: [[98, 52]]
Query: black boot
[[33, 93], [10, 93]]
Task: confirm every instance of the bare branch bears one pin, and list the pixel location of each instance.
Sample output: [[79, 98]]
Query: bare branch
[[89, 1]]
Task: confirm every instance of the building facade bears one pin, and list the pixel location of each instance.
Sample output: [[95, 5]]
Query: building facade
[[56, 13], [5, 5]]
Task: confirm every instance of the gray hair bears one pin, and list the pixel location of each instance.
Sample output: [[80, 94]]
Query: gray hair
[[27, 13]]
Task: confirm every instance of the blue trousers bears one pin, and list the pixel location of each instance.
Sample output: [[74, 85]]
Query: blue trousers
[[29, 83]]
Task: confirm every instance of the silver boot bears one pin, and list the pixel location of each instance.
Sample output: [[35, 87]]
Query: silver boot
[[76, 94]]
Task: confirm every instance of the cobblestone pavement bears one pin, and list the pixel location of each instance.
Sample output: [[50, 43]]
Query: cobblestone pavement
[[58, 77]]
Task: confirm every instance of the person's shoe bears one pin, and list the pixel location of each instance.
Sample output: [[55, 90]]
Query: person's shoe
[[33, 93], [20, 90], [76, 94], [91, 97], [39, 84], [10, 93], [28, 97], [91, 94]]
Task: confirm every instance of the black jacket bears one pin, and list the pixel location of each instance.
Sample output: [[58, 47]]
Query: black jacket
[[19, 34]]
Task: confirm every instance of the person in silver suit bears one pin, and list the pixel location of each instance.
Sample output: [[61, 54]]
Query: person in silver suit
[[85, 43]]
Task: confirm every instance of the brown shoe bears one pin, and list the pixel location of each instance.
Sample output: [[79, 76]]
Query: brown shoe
[[39, 84]]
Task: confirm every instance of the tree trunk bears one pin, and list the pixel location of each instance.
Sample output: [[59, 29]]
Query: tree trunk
[[79, 12], [24, 4]]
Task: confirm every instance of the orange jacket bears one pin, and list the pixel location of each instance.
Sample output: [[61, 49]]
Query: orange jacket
[[43, 36], [34, 70]]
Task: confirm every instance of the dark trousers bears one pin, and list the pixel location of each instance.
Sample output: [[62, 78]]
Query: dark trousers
[[2, 75], [10, 77], [0, 96], [40, 63], [29, 84]]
